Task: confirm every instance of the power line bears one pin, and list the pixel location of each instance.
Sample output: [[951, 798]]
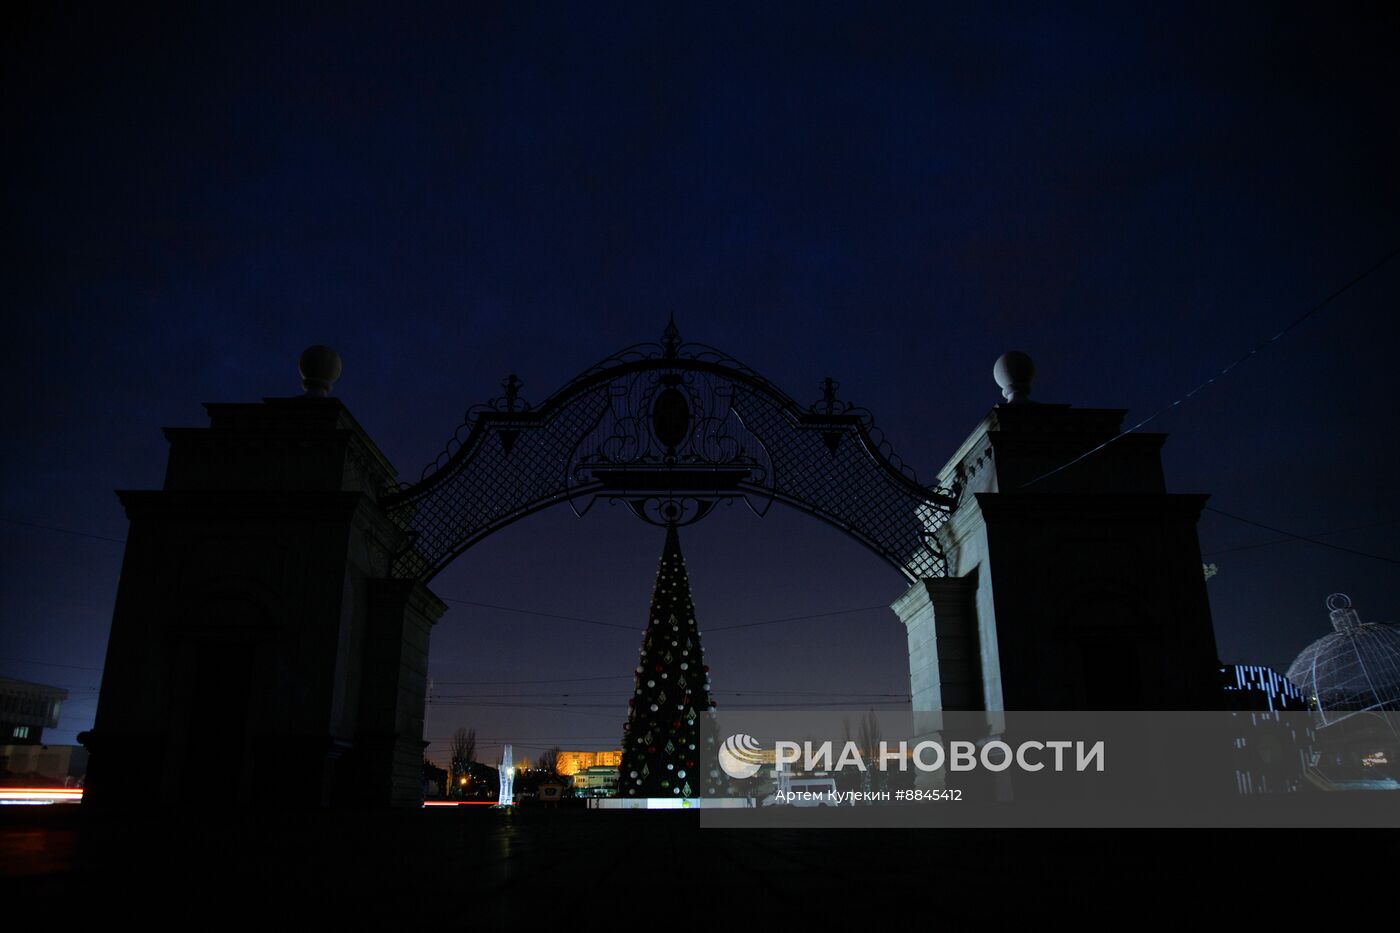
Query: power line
[[495, 606], [1319, 534], [1224, 372], [819, 615], [502, 683], [545, 615], [639, 630], [62, 531], [1280, 531], [748, 692], [528, 738], [71, 667], [497, 743], [566, 706], [1253, 351], [555, 708], [509, 696], [618, 693]]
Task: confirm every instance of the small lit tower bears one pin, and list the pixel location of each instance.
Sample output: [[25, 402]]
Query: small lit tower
[[660, 740], [507, 772]]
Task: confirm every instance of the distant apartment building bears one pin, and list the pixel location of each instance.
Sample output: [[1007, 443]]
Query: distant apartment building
[[43, 765], [26, 710], [570, 763], [1261, 689], [596, 781], [1272, 750]]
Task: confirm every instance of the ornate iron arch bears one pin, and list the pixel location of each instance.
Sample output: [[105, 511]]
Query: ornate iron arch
[[670, 429]]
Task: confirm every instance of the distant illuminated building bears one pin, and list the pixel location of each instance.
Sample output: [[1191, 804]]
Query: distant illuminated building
[[570, 763], [1253, 687], [26, 710], [596, 781], [1271, 750]]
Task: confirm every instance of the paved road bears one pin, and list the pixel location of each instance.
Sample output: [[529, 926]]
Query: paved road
[[509, 867]]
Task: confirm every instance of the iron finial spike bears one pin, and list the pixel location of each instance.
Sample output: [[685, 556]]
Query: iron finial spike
[[829, 387], [671, 338], [512, 386]]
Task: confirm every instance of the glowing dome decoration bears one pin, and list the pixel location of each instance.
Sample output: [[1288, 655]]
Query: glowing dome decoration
[[1355, 669]]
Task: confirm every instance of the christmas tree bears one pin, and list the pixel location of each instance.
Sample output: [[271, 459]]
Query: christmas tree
[[660, 741]]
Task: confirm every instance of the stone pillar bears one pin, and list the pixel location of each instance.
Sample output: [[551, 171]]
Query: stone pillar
[[388, 750], [258, 652], [1082, 588], [1073, 589], [945, 659]]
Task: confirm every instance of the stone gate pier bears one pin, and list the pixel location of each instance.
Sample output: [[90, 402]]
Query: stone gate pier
[[259, 649]]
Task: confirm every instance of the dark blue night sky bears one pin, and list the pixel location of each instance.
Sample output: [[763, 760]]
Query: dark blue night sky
[[889, 195]]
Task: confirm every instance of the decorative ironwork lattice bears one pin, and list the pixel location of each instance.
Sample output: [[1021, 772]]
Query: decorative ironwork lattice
[[670, 429]]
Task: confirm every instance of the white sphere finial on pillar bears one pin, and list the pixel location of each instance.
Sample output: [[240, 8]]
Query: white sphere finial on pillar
[[320, 368], [1014, 372]]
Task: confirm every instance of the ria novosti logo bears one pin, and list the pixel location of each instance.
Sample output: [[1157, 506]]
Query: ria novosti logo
[[740, 756]]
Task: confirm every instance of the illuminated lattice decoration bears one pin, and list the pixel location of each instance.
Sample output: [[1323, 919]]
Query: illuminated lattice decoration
[[1355, 669], [671, 430], [506, 793]]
